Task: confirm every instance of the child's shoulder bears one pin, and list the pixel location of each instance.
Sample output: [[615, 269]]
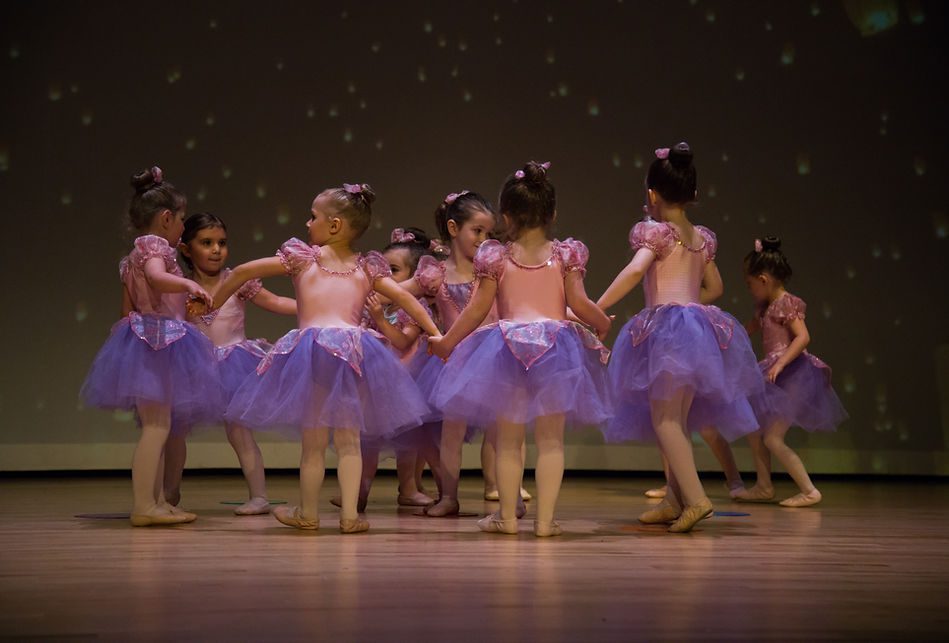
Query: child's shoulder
[[786, 308]]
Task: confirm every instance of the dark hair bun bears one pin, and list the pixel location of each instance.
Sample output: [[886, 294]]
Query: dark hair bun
[[535, 173], [772, 244], [367, 194], [680, 156], [146, 179]]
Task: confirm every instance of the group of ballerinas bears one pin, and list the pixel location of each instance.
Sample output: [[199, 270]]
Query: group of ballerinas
[[511, 344]]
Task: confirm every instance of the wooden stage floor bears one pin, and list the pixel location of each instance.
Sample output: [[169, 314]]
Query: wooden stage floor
[[870, 563]]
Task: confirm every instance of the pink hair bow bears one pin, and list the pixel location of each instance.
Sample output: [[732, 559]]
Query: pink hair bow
[[519, 174], [437, 247], [401, 236], [352, 188], [545, 165], [662, 153], [454, 196], [156, 175], [758, 246]]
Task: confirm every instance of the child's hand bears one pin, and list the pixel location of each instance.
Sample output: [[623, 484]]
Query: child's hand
[[438, 348], [601, 335], [774, 371], [374, 306], [197, 292]]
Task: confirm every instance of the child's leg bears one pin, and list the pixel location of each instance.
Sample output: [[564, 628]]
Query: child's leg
[[428, 453], [252, 465], [147, 466], [175, 455], [723, 453], [420, 462], [489, 463], [548, 435], [349, 472], [409, 494], [453, 436], [764, 488], [774, 441], [313, 470], [510, 467]]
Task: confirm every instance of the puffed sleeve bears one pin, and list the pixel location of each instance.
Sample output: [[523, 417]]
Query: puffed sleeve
[[403, 319], [376, 266], [150, 246], [490, 259], [429, 274], [788, 308], [573, 255], [658, 237], [711, 243], [250, 289], [296, 256], [123, 268]]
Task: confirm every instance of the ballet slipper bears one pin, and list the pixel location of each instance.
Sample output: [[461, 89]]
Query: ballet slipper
[[755, 494], [493, 524], [802, 499], [663, 513], [293, 517], [525, 495], [659, 492], [415, 500], [492, 496], [521, 510], [337, 501], [446, 506], [159, 516], [353, 525], [178, 511], [546, 529], [691, 515], [253, 507]]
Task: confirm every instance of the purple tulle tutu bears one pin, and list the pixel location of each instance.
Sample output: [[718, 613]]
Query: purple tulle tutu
[[519, 371], [238, 361], [669, 347], [150, 358], [329, 377], [802, 395]]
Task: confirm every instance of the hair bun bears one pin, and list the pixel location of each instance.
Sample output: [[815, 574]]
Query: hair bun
[[146, 179], [772, 244], [535, 173], [680, 156]]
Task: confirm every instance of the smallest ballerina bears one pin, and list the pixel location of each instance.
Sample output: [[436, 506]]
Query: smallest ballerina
[[799, 391]]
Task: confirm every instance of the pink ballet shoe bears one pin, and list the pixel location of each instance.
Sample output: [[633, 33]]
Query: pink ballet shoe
[[691, 515], [663, 513], [493, 524], [802, 499], [755, 494], [253, 507], [492, 496], [415, 500], [659, 492], [157, 517], [446, 506], [521, 510], [353, 525], [178, 511], [547, 529], [293, 517]]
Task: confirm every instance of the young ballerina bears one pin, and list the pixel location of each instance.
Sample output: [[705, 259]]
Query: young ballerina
[[154, 362], [466, 219], [330, 377], [534, 366], [407, 246], [799, 391], [679, 364], [204, 249]]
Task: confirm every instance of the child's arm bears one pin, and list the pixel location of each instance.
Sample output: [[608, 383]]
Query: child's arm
[[753, 325], [399, 339], [470, 318], [126, 301], [275, 303], [412, 287], [163, 281], [801, 339], [387, 287], [584, 308], [628, 278], [256, 269], [712, 286]]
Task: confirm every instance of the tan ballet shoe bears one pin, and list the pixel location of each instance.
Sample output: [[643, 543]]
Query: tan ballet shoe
[[754, 494], [547, 529], [525, 495], [444, 507], [293, 517], [158, 517], [492, 496], [691, 515], [663, 513], [353, 525], [802, 499], [493, 524], [253, 507], [415, 500], [659, 492]]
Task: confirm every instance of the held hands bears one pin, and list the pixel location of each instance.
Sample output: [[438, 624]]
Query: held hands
[[602, 333], [774, 371], [374, 306], [199, 301], [438, 347]]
